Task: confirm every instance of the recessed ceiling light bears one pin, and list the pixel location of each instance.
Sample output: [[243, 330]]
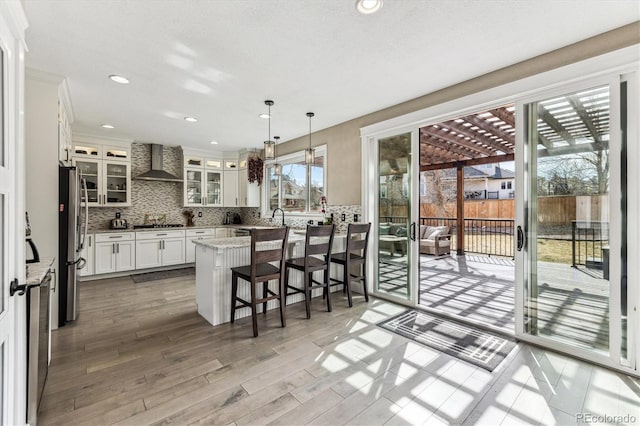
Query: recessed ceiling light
[[190, 119], [367, 7], [265, 116], [107, 126], [119, 79], [213, 143]]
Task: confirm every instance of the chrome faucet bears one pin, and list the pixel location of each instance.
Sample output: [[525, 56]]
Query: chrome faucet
[[273, 215]]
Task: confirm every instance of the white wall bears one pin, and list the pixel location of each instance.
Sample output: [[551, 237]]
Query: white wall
[[41, 166]]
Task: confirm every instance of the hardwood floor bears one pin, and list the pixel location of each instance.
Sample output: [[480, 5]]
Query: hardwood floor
[[140, 354]]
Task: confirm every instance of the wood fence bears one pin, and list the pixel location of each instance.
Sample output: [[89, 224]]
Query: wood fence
[[554, 209]]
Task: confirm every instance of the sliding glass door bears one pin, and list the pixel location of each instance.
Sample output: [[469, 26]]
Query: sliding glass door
[[571, 229], [395, 227]]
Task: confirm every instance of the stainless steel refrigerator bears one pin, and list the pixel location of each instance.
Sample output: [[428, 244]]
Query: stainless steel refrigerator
[[72, 231]]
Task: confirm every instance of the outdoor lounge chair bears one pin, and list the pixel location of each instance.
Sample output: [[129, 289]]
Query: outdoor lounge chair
[[435, 240]]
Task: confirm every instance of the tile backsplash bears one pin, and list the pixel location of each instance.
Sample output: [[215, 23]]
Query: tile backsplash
[[150, 197]]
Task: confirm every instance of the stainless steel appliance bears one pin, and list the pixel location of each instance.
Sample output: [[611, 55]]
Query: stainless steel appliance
[[72, 232], [37, 344], [118, 223]]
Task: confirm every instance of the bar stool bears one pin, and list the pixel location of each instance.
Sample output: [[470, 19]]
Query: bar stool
[[354, 259], [272, 244], [318, 242]]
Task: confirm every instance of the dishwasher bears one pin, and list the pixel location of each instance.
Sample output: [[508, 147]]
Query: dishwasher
[[38, 296]]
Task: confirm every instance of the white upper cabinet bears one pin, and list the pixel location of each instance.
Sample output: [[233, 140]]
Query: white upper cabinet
[[248, 193], [202, 180], [65, 118], [106, 168]]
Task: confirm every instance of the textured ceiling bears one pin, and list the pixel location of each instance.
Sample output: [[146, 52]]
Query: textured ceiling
[[218, 60]]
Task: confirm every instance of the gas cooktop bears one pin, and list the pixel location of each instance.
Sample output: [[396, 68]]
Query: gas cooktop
[[159, 225]]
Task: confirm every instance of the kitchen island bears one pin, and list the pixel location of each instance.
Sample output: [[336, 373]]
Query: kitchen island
[[214, 259]]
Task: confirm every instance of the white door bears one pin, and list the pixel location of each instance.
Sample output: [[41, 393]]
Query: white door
[[125, 256], [573, 292], [105, 259], [173, 251], [230, 188], [12, 305], [148, 253]]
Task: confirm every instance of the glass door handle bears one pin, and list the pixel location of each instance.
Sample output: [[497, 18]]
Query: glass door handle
[[413, 231], [522, 238]]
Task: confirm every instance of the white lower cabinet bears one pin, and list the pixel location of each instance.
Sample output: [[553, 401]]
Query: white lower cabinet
[[193, 235], [148, 253], [159, 248], [114, 252], [88, 254], [124, 251]]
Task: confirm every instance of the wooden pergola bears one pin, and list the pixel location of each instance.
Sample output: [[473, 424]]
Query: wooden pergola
[[472, 140], [571, 124]]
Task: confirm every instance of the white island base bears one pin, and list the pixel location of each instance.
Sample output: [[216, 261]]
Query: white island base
[[214, 260]]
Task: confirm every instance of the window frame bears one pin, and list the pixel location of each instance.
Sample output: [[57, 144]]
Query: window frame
[[293, 157]]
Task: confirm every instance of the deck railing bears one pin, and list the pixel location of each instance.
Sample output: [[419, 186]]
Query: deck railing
[[493, 237], [590, 244]]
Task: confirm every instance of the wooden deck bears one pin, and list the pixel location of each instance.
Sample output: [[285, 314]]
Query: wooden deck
[[572, 304]]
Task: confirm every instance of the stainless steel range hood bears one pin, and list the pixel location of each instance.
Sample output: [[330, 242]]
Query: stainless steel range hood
[[157, 171]]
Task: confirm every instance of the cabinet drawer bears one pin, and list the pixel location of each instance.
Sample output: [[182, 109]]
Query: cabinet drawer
[[164, 234], [114, 237], [201, 232]]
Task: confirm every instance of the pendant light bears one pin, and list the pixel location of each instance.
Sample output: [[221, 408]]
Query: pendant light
[[269, 145], [277, 167], [309, 154]]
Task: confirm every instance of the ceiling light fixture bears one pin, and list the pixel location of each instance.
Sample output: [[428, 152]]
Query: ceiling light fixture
[[190, 119], [367, 7], [107, 126], [308, 153], [213, 143], [119, 79], [277, 167], [269, 145]]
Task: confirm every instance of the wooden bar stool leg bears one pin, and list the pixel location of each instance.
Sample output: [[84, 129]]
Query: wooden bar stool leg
[[307, 293], [326, 288], [364, 282], [283, 301], [254, 310], [286, 282], [234, 292], [265, 293], [344, 279], [347, 282]]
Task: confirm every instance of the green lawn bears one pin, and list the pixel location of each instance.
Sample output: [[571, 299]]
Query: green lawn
[[555, 251]]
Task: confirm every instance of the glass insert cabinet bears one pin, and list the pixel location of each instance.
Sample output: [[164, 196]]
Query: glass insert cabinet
[[108, 182], [106, 170], [202, 182]]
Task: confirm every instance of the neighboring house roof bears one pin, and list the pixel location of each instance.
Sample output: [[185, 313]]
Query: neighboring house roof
[[502, 174], [474, 173]]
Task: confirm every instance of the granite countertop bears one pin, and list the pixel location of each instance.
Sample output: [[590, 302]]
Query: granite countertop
[[37, 271], [236, 242], [130, 229]]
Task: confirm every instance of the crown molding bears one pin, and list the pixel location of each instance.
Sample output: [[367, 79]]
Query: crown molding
[[89, 138]]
